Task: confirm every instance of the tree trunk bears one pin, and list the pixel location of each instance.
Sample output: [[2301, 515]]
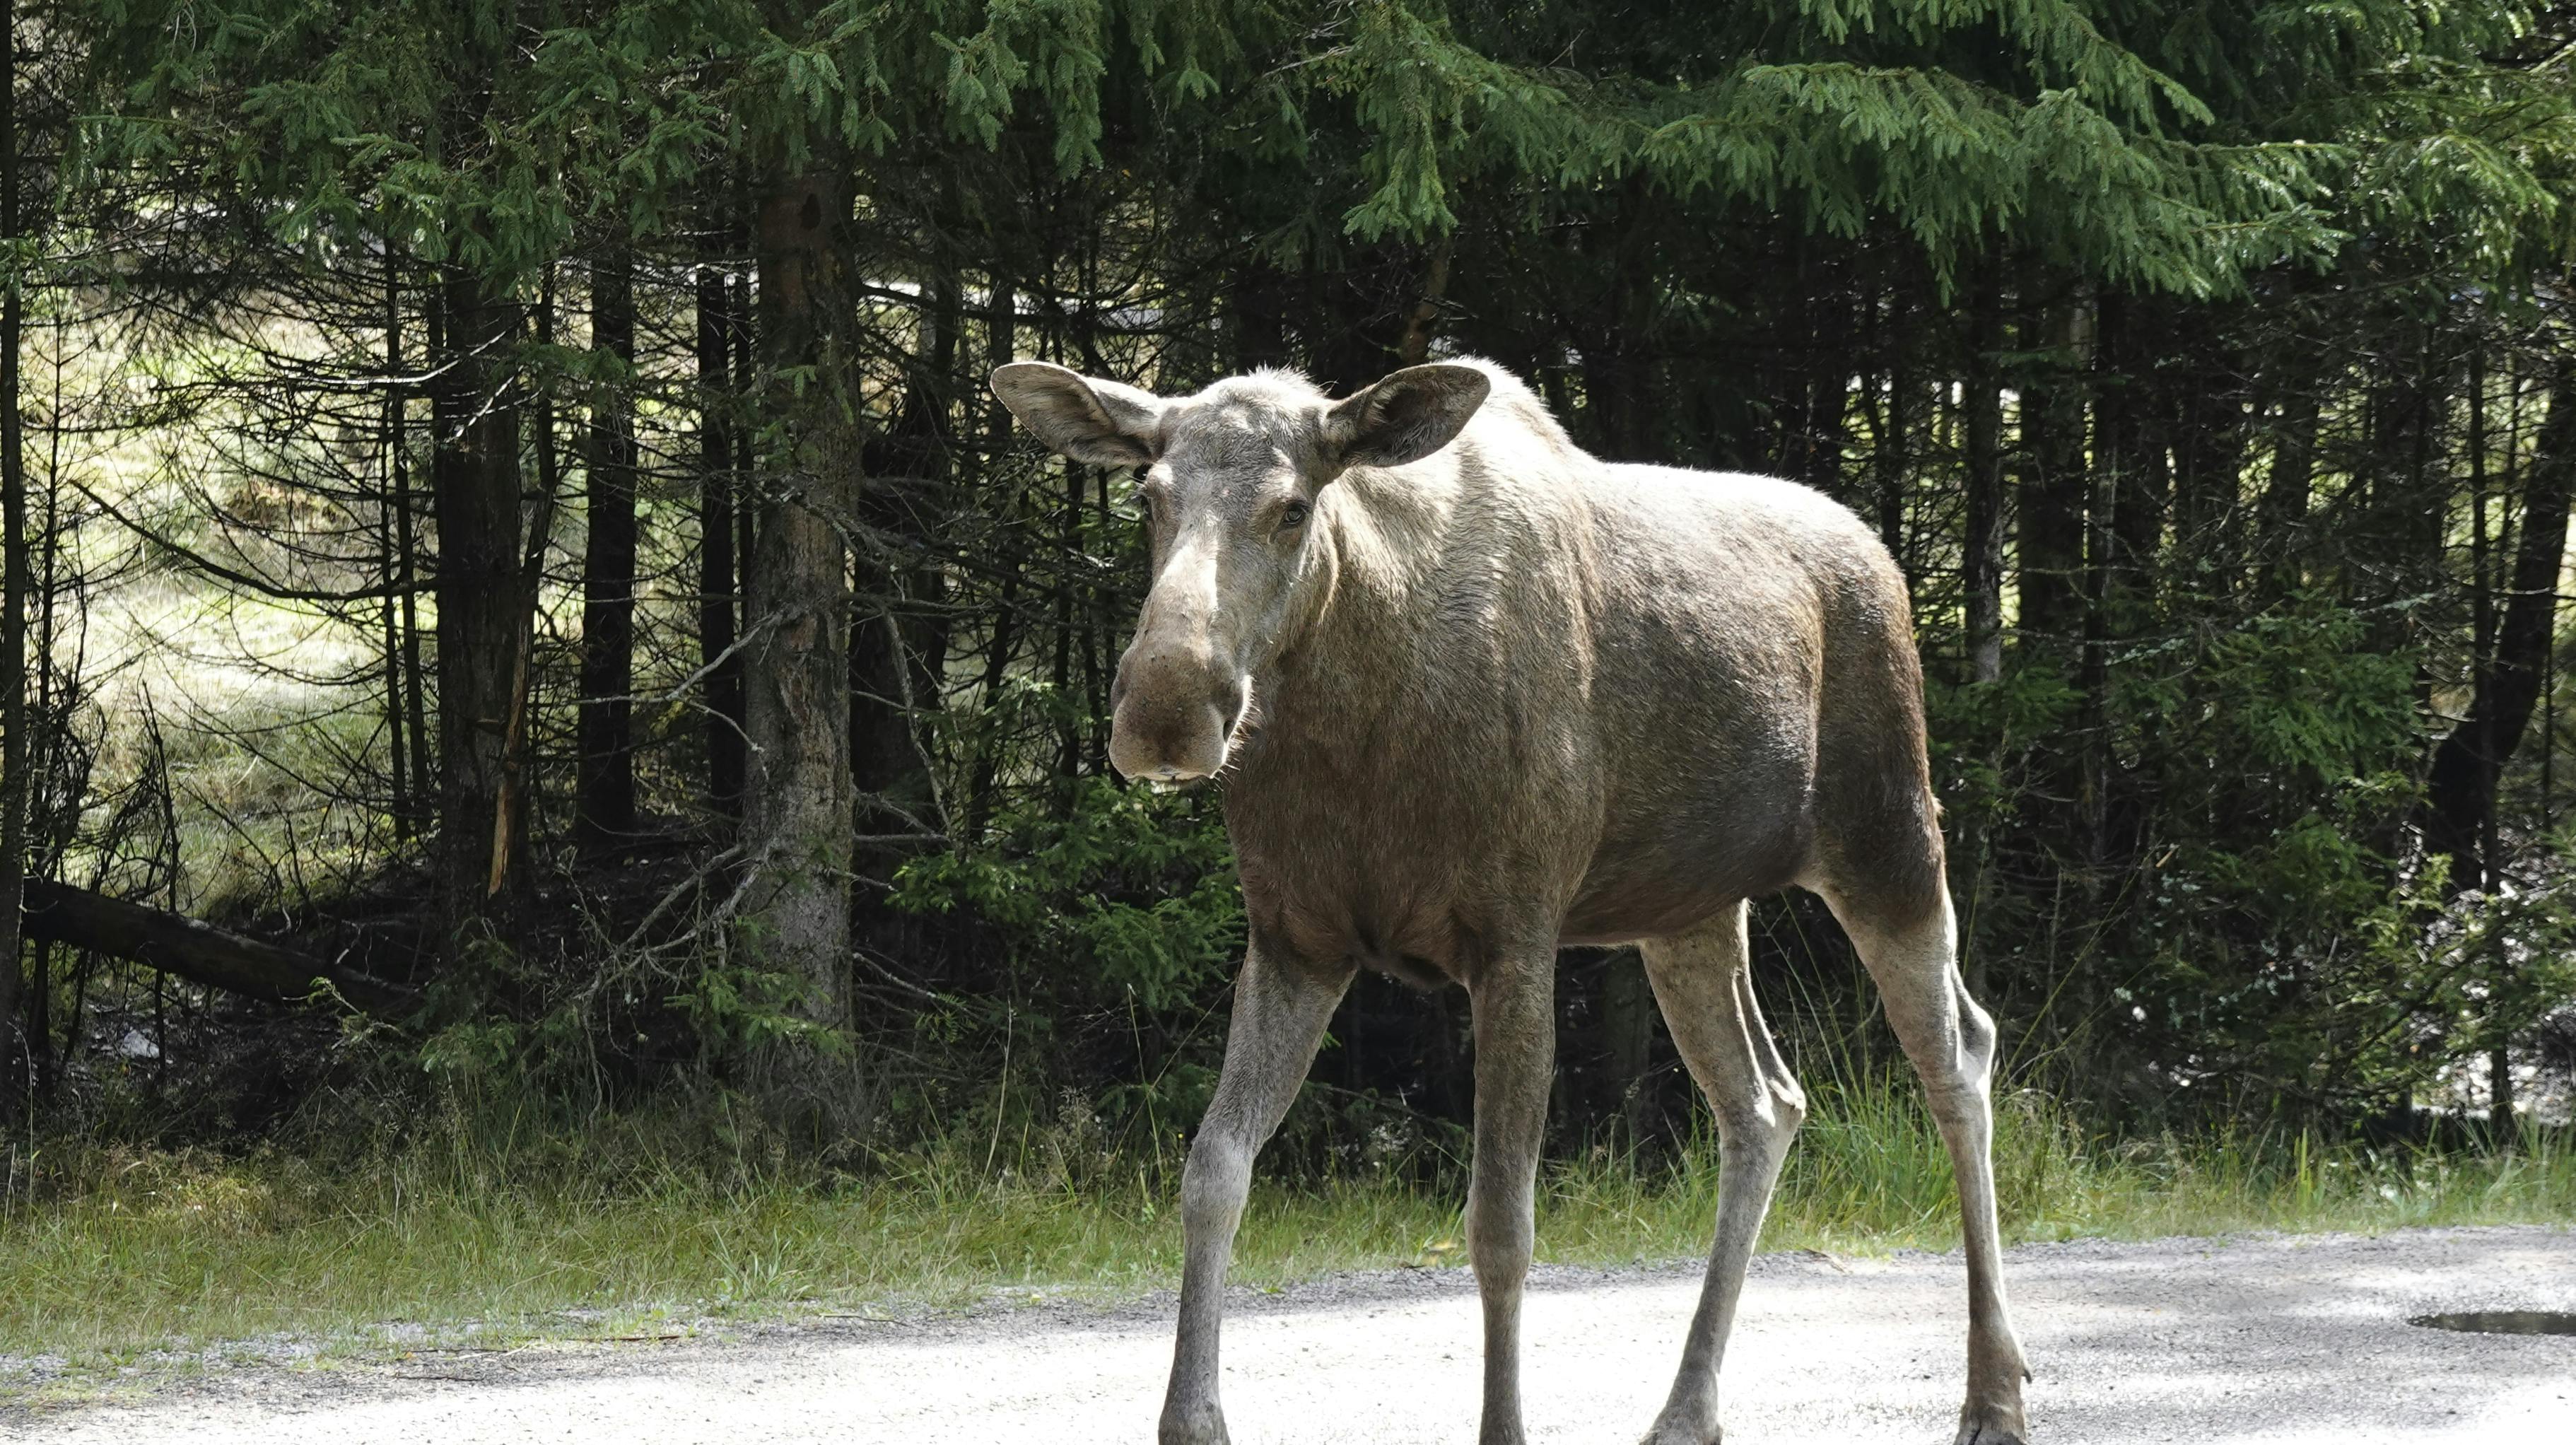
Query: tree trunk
[[1414, 347], [195, 950], [2500, 1092], [1262, 297], [1001, 346], [415, 702], [2142, 487], [798, 822], [936, 509], [605, 810], [1889, 448], [2401, 543], [2461, 788], [2053, 484], [1628, 1030], [13, 590], [740, 317], [512, 814], [1982, 557], [896, 638], [391, 535], [475, 475], [718, 585], [2209, 458], [1820, 383], [2283, 513], [2113, 441]]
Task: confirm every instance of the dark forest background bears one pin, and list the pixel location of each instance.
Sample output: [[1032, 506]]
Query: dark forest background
[[503, 518]]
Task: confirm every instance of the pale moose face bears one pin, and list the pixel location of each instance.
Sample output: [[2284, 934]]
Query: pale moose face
[[1231, 482]]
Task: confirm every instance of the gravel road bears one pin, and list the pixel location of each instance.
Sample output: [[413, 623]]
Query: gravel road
[[2255, 1338]]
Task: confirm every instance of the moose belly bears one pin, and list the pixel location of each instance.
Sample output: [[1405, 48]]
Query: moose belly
[[1423, 904], [1666, 866], [1665, 896], [1404, 918]]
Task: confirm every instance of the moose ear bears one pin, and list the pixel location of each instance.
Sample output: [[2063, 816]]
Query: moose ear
[[1100, 422], [1405, 417]]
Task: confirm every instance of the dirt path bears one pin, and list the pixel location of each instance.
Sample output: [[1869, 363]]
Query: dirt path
[[2273, 1339]]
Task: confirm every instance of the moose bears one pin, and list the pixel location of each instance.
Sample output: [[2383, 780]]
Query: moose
[[1475, 694]]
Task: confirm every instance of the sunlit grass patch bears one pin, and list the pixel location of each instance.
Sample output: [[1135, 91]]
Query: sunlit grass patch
[[229, 740], [111, 1256]]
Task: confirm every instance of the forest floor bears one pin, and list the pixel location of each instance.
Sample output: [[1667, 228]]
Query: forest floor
[[2249, 1337]]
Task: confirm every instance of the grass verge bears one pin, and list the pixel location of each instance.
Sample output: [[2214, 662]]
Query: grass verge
[[113, 1261]]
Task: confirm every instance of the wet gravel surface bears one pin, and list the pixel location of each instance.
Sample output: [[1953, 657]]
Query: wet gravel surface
[[2298, 1338]]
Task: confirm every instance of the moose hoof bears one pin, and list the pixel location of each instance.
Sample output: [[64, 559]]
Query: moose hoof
[[1195, 1427], [1990, 1425], [1670, 1431]]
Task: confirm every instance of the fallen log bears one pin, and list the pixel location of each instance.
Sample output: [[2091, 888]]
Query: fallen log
[[196, 950]]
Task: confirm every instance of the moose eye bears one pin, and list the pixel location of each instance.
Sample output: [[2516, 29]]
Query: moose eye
[[1293, 515]]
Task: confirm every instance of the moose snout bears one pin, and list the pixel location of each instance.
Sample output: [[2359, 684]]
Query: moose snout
[[1172, 714]]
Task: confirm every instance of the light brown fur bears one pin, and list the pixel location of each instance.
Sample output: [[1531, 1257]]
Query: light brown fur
[[1493, 696]]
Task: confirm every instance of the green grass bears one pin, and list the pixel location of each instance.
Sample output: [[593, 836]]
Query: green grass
[[109, 1257]]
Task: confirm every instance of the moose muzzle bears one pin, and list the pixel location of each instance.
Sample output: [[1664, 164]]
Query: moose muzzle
[[1174, 709]]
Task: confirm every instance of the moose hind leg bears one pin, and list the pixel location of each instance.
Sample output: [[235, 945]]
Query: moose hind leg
[[1951, 1042], [1281, 1008], [1703, 982]]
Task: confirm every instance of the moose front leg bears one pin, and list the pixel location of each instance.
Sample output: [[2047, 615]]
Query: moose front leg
[[1515, 1024], [1281, 1005]]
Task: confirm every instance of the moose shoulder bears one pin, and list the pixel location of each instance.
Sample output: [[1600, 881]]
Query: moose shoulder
[[1475, 693]]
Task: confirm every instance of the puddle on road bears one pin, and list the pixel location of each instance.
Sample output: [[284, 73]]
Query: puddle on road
[[2502, 1322]]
